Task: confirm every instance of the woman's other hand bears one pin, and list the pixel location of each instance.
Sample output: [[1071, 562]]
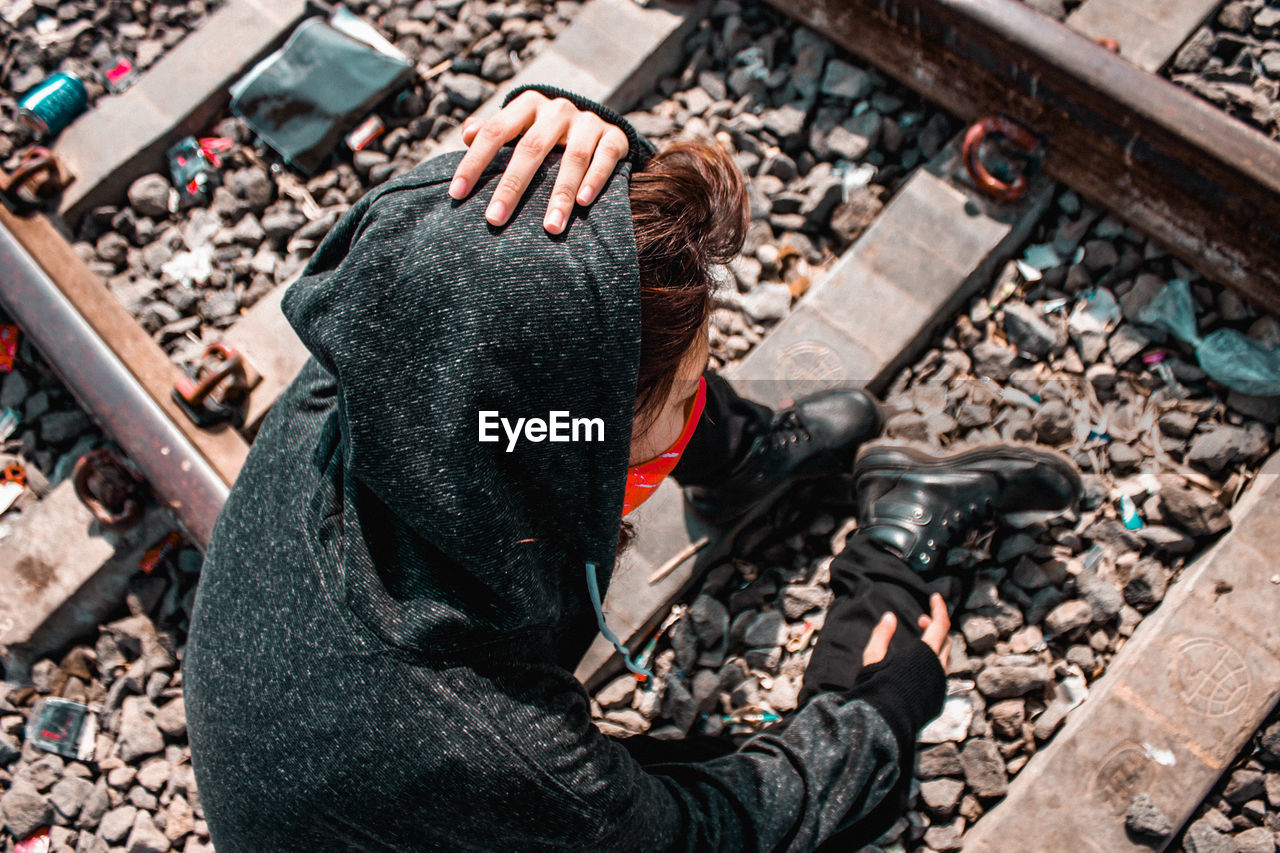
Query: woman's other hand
[[592, 149]]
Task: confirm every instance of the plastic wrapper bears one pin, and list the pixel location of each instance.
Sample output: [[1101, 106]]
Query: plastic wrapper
[[305, 96], [1231, 358]]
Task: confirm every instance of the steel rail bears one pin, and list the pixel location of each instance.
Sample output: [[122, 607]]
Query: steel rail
[[1200, 183], [180, 476]]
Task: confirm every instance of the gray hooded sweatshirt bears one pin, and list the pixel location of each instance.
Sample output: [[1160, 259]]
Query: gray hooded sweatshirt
[[390, 610]]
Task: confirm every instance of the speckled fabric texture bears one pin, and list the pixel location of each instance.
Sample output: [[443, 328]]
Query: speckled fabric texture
[[381, 651]]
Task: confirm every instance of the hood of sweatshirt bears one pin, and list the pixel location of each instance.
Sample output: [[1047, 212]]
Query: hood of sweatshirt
[[427, 317]]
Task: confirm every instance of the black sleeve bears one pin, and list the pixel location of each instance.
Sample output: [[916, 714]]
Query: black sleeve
[[641, 148], [907, 687]]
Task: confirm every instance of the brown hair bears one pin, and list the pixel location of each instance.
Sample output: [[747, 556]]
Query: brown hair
[[689, 208]]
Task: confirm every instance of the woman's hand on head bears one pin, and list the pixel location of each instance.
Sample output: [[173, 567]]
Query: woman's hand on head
[[592, 148]]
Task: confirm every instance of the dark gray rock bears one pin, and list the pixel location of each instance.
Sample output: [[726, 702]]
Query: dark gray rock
[[1007, 682], [1203, 838], [1214, 450], [1030, 332], [994, 360], [940, 760], [984, 768], [842, 80], [1053, 422], [1244, 785], [1103, 596], [25, 809], [1259, 839], [1125, 343], [145, 837], [798, 600], [149, 196], [139, 735], [63, 427], [69, 794], [941, 796], [1148, 580], [1193, 511], [678, 705], [1068, 618], [1145, 819]]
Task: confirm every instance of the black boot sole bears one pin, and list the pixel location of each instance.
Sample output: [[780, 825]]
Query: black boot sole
[[906, 457]]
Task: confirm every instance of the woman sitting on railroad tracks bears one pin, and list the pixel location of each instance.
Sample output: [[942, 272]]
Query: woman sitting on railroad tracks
[[405, 573]]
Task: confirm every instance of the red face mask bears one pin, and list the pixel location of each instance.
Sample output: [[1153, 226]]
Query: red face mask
[[643, 479]]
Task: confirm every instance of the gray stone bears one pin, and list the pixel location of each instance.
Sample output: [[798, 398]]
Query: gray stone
[[1145, 288], [1193, 511], [785, 122], [1006, 682], [941, 796], [768, 630], [678, 705], [984, 769], [281, 224], [1125, 343], [767, 302], [800, 599], [43, 772], [10, 749], [684, 641], [994, 360], [710, 620], [1244, 785], [172, 718], [1178, 424], [1148, 580], [940, 760], [25, 809], [1053, 422], [95, 806], [149, 195], [64, 426], [651, 125], [842, 80], [1068, 618], [617, 692], [1214, 450], [1259, 839], [980, 632], [144, 837], [139, 735], [945, 837], [1030, 332], [1145, 819], [854, 137], [1103, 596], [69, 794], [1203, 838]]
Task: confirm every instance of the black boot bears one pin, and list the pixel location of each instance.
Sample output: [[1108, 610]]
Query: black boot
[[914, 504], [815, 437]]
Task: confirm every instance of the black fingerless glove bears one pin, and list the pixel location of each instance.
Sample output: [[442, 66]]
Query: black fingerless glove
[[907, 687], [641, 149]]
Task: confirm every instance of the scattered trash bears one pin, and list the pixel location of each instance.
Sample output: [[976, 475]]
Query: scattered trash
[[750, 718], [67, 728], [1129, 514], [957, 713], [854, 178], [8, 348], [366, 131], [1041, 257], [48, 108], [193, 170], [1156, 361], [1096, 312], [9, 420], [1054, 305], [302, 98], [190, 268], [37, 842], [1231, 358], [120, 76], [160, 552]]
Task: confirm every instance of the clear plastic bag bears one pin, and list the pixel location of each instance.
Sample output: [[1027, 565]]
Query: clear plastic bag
[[1233, 359]]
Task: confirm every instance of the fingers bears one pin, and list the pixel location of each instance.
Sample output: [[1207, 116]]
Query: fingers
[[486, 138], [584, 136], [612, 148], [878, 643], [937, 628]]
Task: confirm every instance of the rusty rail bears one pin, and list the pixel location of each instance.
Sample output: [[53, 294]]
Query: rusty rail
[[1200, 183], [181, 476]]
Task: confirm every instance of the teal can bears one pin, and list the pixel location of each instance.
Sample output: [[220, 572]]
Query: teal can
[[48, 108]]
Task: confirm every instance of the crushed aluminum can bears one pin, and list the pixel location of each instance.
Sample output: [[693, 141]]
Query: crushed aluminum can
[[160, 552], [121, 75], [366, 131], [67, 728], [37, 842], [8, 348], [193, 173]]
